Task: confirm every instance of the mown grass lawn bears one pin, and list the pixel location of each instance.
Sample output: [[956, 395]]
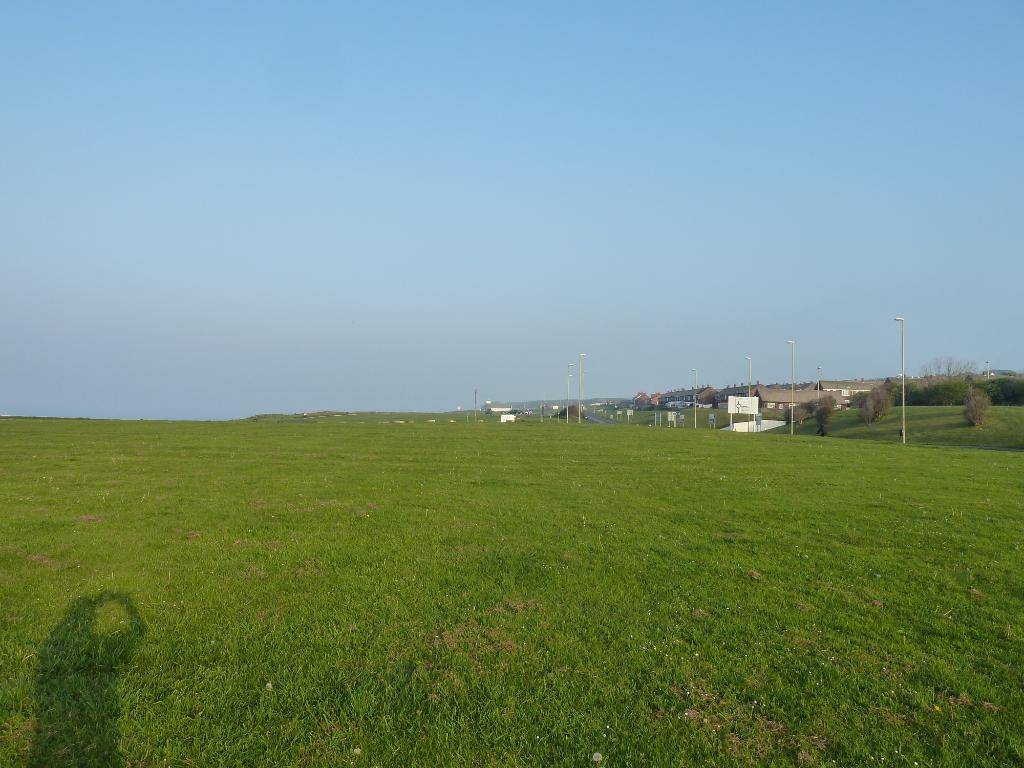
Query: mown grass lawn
[[325, 592], [932, 425]]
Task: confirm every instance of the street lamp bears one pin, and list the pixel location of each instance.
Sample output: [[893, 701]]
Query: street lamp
[[579, 413], [694, 397], [903, 380], [568, 393], [988, 370], [819, 383], [792, 384]]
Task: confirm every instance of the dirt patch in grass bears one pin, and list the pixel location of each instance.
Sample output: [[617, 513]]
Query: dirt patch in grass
[[475, 640], [17, 734], [308, 568], [42, 560], [772, 726], [254, 572], [90, 519]]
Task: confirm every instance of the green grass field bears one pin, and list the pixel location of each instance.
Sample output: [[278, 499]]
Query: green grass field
[[934, 425], [324, 592]]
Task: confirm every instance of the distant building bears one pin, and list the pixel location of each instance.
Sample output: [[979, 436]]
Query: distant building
[[490, 407], [734, 390], [684, 398], [850, 387], [779, 397]]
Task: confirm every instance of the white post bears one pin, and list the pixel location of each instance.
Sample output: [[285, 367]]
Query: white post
[[792, 384], [750, 377], [694, 398], [579, 414], [568, 391], [903, 380]]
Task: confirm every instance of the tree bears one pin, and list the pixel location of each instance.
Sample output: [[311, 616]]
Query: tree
[[948, 368], [867, 409], [882, 400], [976, 406], [874, 406], [823, 409], [941, 391], [802, 410], [1005, 390]]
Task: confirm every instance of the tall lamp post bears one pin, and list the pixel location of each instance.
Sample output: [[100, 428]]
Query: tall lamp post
[[988, 370], [819, 382], [694, 397], [903, 380], [579, 413], [568, 392], [792, 384], [750, 368]]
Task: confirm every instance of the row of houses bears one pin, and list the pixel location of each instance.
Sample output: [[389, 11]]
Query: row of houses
[[772, 396]]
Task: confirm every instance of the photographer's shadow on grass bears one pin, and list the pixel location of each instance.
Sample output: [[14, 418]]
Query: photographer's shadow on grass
[[76, 698]]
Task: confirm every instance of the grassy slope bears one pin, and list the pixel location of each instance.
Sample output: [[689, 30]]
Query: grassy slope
[[521, 595], [937, 425]]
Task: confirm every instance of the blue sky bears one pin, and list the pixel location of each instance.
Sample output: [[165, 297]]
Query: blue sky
[[212, 210]]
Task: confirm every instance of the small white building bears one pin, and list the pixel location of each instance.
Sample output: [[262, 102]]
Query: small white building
[[490, 407]]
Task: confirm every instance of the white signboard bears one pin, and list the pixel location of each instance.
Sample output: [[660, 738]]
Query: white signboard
[[507, 418], [629, 411], [742, 404]]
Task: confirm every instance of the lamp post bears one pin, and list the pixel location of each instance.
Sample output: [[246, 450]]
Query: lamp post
[[903, 380], [792, 384], [988, 371], [568, 392], [579, 413], [819, 382], [694, 397], [750, 364]]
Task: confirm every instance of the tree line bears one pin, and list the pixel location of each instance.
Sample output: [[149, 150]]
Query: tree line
[[1005, 390]]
